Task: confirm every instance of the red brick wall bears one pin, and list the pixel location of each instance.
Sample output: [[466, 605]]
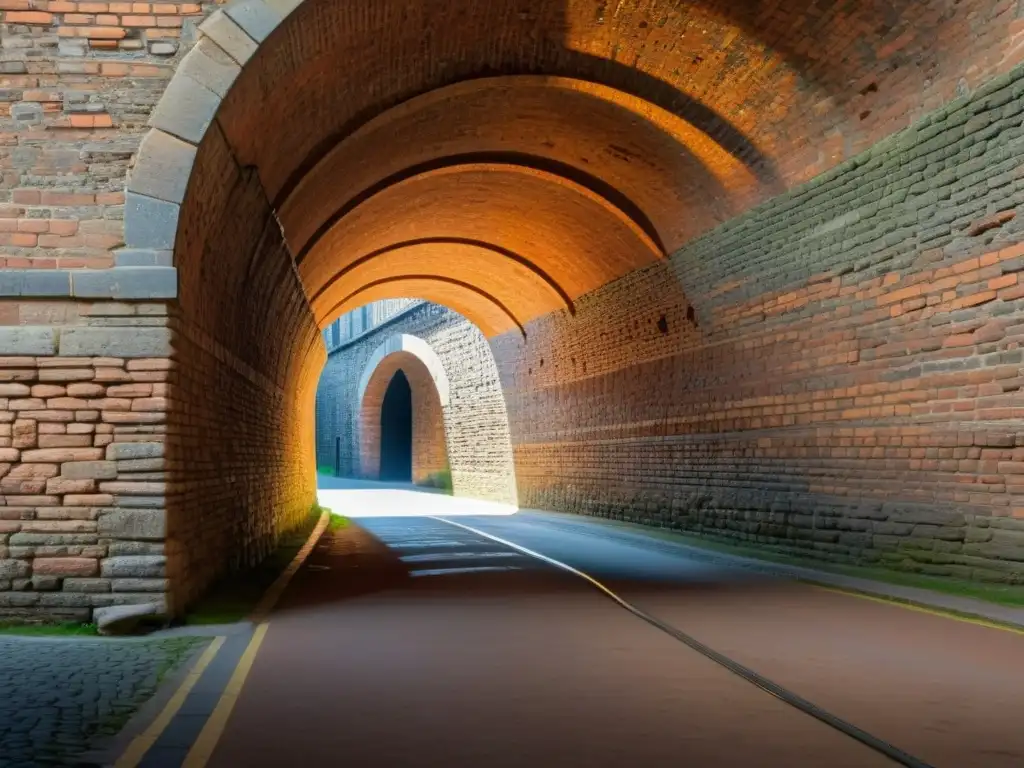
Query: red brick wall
[[77, 83], [247, 353], [837, 372]]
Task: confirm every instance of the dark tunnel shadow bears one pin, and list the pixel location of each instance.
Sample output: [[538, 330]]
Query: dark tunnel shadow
[[355, 562]]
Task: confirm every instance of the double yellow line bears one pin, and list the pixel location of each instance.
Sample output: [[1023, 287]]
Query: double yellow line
[[200, 753]]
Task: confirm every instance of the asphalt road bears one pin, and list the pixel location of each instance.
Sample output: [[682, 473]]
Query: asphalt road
[[424, 644]]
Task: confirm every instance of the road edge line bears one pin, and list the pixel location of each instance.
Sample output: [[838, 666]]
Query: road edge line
[[791, 698], [201, 751], [778, 569], [142, 743], [912, 605]]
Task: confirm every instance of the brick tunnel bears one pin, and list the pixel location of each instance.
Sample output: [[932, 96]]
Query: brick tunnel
[[741, 268]]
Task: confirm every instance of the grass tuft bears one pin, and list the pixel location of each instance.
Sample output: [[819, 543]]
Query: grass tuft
[[1011, 595], [442, 480], [235, 597], [48, 629]]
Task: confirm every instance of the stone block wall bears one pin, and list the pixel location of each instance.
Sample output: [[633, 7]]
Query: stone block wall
[[83, 412]]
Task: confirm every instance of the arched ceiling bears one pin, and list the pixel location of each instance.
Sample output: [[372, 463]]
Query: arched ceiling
[[506, 157]]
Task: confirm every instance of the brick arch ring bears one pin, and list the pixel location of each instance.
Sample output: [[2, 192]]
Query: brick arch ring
[[468, 435], [159, 179], [418, 348]]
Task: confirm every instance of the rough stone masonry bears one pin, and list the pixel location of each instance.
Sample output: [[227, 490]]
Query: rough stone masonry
[[827, 360]]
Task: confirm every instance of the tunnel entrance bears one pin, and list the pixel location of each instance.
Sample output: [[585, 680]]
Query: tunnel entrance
[[396, 431]]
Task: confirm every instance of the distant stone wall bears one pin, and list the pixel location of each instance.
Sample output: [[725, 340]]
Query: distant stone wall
[[475, 420]]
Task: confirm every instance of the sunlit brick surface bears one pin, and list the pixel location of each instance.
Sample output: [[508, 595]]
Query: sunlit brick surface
[[750, 268]]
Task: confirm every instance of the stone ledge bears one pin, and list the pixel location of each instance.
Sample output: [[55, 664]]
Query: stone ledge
[[256, 18], [226, 33], [185, 109], [35, 283], [149, 223], [115, 342], [126, 283], [143, 257], [163, 166], [29, 340]]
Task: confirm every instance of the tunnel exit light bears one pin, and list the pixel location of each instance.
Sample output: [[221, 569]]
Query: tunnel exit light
[[372, 500]]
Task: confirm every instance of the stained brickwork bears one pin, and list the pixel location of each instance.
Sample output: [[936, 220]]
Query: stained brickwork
[[241, 417], [77, 83], [476, 426]]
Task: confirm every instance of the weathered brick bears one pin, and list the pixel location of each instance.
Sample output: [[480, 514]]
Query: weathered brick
[[65, 566], [58, 455]]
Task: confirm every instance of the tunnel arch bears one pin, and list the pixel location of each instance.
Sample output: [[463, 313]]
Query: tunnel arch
[[380, 398], [718, 108], [456, 425], [726, 105]]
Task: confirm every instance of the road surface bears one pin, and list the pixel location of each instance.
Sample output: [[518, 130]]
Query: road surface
[[414, 642]]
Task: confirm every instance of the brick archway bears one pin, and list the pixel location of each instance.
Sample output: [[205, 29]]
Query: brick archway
[[429, 447], [466, 436], [636, 151]]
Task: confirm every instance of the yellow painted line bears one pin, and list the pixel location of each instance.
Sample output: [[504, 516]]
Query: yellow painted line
[[200, 753], [900, 603], [202, 750], [273, 594], [894, 601], [141, 744]]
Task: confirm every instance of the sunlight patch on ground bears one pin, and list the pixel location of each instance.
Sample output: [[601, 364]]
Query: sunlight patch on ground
[[360, 498]]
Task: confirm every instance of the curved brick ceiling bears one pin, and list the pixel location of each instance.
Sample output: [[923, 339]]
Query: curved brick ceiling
[[642, 157], [562, 234], [512, 155]]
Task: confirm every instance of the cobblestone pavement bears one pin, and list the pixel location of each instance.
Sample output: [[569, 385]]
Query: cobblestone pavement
[[59, 697]]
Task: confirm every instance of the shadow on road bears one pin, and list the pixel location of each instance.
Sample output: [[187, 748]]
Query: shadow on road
[[393, 544]]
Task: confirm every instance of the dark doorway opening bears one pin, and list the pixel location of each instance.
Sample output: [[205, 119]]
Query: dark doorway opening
[[396, 431]]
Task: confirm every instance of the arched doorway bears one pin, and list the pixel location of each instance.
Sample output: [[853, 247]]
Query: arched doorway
[[460, 433], [396, 431]]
